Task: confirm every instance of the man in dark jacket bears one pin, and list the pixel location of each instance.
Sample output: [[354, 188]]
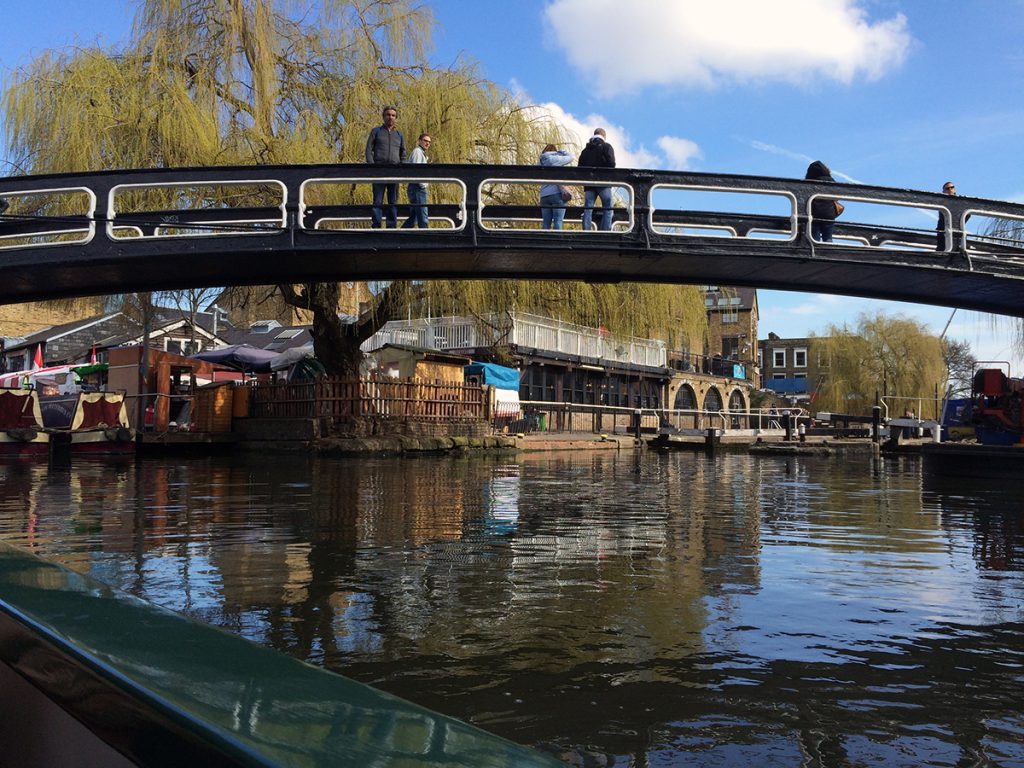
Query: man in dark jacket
[[597, 154], [949, 188], [385, 146]]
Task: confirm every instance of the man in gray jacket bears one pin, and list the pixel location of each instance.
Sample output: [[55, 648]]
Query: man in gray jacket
[[385, 146]]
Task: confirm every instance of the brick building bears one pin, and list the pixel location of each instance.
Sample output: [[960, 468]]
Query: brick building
[[732, 326], [789, 367]]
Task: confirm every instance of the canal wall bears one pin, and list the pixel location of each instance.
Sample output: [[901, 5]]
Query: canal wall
[[393, 437]]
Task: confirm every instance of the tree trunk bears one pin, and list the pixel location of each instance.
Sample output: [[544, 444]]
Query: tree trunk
[[335, 345]]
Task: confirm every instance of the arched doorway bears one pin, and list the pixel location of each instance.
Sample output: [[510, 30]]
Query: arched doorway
[[712, 400], [736, 402], [686, 399], [737, 406]]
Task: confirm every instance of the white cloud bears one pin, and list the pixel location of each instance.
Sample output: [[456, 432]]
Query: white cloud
[[676, 152], [806, 309], [672, 42]]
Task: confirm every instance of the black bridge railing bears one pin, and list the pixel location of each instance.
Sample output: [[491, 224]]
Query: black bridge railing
[[166, 228]]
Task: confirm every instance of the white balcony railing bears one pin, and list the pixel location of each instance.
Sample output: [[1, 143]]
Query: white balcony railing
[[523, 330]]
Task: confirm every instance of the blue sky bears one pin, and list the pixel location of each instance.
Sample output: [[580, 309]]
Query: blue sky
[[902, 93]]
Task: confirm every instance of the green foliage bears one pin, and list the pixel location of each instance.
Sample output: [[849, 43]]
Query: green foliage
[[893, 356], [227, 82]]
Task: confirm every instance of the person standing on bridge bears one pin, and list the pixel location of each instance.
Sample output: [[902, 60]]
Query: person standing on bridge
[[418, 192], [949, 188], [385, 146], [553, 197], [824, 210], [597, 154]]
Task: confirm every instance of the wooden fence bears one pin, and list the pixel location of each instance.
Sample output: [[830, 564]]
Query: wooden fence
[[340, 399]]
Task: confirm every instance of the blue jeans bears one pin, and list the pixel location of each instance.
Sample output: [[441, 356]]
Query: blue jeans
[[378, 198], [552, 211], [418, 216], [605, 195], [821, 230]]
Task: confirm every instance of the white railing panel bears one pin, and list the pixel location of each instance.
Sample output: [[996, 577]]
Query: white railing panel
[[528, 331]]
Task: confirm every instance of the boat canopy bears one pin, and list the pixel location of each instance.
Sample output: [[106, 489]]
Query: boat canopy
[[241, 357]]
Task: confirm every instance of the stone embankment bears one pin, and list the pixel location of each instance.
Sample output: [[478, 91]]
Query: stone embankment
[[306, 435], [546, 441]]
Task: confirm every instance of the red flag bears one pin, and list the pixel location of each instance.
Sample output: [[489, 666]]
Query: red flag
[[92, 357], [37, 361]]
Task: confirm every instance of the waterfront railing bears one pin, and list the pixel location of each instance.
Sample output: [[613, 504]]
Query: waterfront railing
[[338, 399], [540, 416]]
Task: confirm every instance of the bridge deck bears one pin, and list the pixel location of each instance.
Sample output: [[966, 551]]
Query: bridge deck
[[117, 231]]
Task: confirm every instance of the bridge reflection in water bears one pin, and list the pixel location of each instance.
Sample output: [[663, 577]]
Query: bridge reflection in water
[[115, 231], [660, 609]]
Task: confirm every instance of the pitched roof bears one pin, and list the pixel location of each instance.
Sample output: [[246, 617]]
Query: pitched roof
[[276, 340]]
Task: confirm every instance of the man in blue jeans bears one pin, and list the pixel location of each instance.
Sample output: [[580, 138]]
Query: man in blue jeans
[[385, 146], [416, 191], [597, 154]]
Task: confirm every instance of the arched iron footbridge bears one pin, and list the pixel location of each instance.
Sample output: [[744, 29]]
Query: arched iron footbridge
[[119, 231]]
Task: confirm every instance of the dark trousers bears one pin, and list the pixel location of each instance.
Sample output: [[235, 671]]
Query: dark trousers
[[821, 230], [378, 199]]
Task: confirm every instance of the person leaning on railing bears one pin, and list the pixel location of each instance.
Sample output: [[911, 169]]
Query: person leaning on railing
[[553, 197], [824, 210]]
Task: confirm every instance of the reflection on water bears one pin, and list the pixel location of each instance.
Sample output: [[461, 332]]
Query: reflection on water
[[660, 609]]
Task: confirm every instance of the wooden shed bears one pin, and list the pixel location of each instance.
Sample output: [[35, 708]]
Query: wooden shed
[[403, 362], [171, 381]]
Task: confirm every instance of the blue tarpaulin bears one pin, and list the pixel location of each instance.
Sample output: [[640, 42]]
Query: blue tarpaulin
[[787, 386], [496, 375]]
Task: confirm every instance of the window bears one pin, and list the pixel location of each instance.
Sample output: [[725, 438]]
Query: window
[[264, 326], [778, 358], [182, 346], [799, 375], [760, 358], [730, 317], [799, 358], [709, 302], [735, 301], [778, 376]]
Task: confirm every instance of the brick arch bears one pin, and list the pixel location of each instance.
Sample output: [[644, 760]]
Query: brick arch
[[686, 399], [713, 400], [737, 401]]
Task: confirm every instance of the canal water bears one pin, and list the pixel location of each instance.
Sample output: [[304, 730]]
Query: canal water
[[641, 610]]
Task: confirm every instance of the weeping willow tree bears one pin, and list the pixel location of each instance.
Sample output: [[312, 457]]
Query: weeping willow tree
[[893, 356], [1008, 233], [236, 82]]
